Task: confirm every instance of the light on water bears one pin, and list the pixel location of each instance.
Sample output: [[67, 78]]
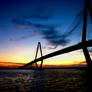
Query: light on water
[[57, 80]]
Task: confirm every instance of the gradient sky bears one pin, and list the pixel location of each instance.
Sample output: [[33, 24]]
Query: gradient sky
[[23, 23]]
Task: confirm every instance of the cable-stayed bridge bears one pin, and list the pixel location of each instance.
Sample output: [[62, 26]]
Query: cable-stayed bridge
[[82, 45]]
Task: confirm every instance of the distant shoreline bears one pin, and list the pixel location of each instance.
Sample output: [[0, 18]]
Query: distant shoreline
[[44, 68]]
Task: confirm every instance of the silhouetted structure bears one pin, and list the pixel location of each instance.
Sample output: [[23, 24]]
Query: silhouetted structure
[[39, 47], [82, 45], [85, 50]]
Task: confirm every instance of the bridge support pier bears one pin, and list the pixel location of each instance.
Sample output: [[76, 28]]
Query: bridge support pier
[[39, 47], [85, 50]]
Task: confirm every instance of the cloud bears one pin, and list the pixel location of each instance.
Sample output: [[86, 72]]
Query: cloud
[[21, 21], [23, 37], [53, 37], [47, 32]]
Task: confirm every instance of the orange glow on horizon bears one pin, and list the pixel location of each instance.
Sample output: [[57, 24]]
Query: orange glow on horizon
[[72, 58], [10, 65], [14, 65]]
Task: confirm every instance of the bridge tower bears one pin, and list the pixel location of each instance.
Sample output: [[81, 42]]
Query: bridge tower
[[85, 50], [39, 48]]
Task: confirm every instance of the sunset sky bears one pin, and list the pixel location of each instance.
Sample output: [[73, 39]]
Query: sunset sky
[[24, 23]]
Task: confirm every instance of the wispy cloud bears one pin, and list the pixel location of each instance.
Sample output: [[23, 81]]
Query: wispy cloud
[[23, 37], [47, 32]]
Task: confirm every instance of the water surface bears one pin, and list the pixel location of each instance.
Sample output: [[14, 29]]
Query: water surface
[[57, 80]]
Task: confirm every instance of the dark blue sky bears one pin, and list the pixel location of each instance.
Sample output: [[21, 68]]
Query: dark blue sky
[[55, 23]]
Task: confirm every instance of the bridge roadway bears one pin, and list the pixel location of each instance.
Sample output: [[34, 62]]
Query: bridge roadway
[[62, 51]]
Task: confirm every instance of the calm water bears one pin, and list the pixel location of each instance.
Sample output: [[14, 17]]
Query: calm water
[[59, 80]]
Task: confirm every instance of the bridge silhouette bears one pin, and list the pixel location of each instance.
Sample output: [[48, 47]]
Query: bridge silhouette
[[82, 45]]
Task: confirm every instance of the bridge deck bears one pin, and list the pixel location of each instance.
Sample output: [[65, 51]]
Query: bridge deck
[[62, 51]]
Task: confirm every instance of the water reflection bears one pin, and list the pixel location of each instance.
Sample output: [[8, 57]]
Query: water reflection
[[62, 80]]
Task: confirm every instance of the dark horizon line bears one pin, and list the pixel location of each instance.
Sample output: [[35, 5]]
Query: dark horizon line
[[68, 67]]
